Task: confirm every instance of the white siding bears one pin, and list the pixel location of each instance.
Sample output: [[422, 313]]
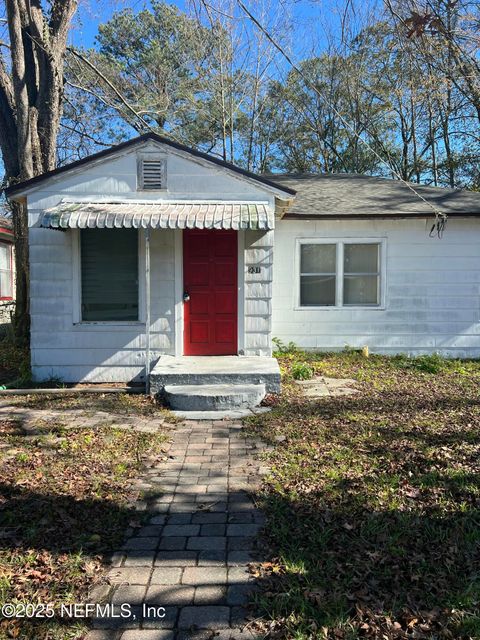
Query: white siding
[[73, 351], [432, 290], [117, 178], [258, 293], [431, 296], [66, 349]]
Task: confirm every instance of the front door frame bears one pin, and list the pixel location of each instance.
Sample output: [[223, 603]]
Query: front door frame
[[179, 289]]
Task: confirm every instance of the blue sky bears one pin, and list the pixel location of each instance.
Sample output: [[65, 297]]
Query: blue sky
[[312, 23], [311, 20]]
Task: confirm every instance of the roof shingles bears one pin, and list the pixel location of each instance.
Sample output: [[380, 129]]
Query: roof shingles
[[343, 195]]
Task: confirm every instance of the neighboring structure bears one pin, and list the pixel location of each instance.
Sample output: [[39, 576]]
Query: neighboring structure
[[151, 248], [7, 270]]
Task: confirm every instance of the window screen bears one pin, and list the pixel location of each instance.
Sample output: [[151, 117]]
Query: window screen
[[109, 268], [361, 274], [317, 274]]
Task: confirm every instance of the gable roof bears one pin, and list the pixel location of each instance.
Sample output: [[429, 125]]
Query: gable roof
[[32, 182], [344, 195]]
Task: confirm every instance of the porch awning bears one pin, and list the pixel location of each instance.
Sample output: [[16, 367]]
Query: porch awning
[[159, 215]]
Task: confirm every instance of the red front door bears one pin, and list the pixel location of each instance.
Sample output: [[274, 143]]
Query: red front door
[[210, 289]]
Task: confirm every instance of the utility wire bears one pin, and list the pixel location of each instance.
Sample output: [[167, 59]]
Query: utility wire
[[440, 218]]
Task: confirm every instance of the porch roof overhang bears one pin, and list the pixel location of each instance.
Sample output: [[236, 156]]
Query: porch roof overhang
[[159, 215]]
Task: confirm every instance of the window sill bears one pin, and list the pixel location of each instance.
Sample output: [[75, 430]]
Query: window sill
[[107, 325], [341, 308]]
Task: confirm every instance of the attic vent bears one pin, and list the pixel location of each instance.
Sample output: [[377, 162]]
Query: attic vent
[[152, 174]]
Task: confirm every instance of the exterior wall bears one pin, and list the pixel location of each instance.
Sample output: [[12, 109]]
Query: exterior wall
[[7, 304], [7, 309], [70, 350], [65, 348], [258, 293], [432, 289], [117, 178]]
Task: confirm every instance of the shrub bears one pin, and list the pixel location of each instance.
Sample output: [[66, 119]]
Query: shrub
[[14, 361], [282, 348], [432, 363], [302, 371]]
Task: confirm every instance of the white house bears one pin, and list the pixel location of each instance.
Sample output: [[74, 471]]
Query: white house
[[151, 249], [7, 271]]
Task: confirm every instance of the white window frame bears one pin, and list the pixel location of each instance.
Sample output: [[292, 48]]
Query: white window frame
[[77, 288], [159, 157], [9, 271], [340, 243]]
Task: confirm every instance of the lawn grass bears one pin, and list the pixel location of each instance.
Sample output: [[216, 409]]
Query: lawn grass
[[373, 502], [66, 500]]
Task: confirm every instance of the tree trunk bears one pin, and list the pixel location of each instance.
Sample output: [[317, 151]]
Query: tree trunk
[[31, 96], [22, 307], [431, 135]]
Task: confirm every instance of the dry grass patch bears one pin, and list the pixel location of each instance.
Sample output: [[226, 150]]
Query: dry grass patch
[[373, 502], [66, 499]]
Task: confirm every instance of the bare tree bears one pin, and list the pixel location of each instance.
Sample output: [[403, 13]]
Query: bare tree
[[31, 96], [238, 82], [445, 33]]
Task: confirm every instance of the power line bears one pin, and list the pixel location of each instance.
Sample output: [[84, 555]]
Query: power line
[[440, 218]]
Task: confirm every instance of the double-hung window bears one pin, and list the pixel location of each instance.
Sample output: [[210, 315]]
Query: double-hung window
[[109, 275], [318, 275], [340, 273], [6, 271]]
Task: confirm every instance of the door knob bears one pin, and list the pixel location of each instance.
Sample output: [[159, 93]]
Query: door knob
[[186, 296]]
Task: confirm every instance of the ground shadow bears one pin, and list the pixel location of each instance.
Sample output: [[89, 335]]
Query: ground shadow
[[178, 532], [383, 568], [374, 515]]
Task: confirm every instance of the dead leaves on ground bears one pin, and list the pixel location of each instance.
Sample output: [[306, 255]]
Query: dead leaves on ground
[[377, 497], [64, 502]]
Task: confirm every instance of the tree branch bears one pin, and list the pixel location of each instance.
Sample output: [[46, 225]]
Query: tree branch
[[110, 84]]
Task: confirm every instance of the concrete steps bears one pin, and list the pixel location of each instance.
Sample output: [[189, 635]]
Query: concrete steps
[[213, 397], [213, 370]]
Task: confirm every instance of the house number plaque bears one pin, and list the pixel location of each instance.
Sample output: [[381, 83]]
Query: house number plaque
[[253, 269]]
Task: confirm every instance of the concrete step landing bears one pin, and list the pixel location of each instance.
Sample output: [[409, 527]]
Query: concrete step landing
[[208, 370], [213, 397]]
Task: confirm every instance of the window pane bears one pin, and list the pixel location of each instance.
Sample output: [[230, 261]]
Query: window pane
[[317, 290], [5, 284], [109, 274], [318, 258], [360, 290], [5, 256], [361, 258]]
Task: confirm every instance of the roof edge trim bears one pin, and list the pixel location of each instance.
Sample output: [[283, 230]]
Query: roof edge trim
[[19, 187], [367, 216]]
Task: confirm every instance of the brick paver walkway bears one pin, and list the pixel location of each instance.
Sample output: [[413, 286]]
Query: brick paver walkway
[[192, 557], [31, 418]]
